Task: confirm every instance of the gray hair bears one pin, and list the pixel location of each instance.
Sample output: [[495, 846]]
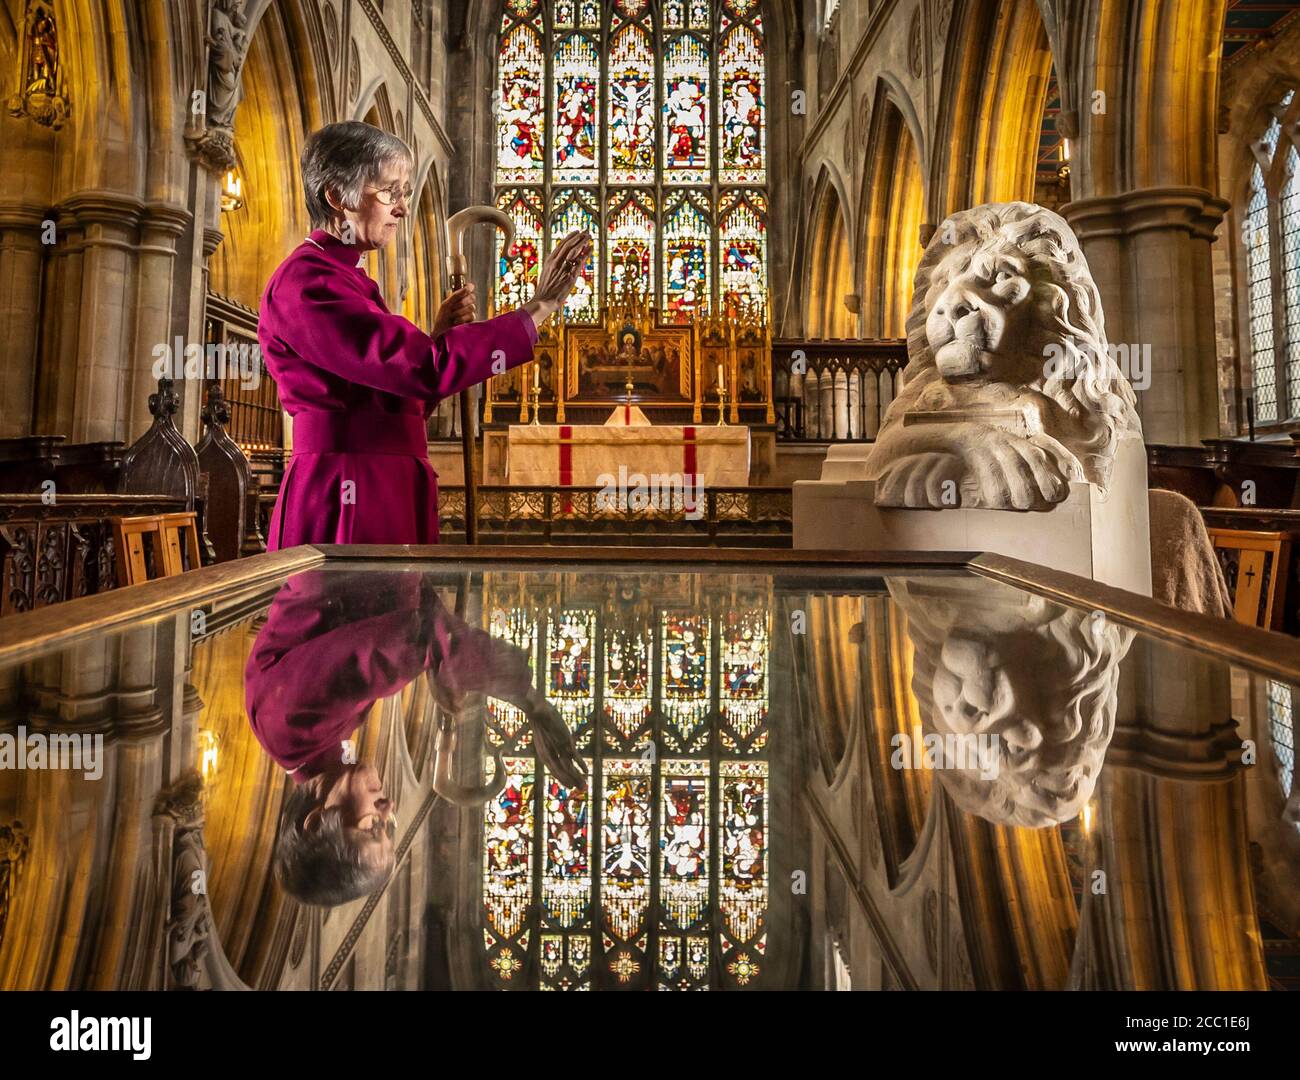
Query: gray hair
[[323, 866], [343, 158]]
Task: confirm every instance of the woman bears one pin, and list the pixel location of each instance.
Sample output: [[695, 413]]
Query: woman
[[360, 381]]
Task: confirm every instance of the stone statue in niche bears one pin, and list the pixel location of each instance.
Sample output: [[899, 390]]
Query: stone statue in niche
[[40, 91], [227, 41], [1026, 689], [1011, 391]]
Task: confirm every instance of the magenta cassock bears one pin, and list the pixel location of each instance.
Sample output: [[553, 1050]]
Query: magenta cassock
[[360, 382]]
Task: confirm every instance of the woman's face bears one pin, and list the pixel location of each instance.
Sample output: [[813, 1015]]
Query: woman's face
[[383, 206]]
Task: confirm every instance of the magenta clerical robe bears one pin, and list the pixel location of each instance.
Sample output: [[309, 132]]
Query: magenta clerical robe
[[335, 643], [360, 382]]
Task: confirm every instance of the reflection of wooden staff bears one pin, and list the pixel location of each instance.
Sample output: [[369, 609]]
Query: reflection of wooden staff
[[458, 275]]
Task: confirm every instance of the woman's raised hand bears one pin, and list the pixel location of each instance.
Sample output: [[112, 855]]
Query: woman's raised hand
[[558, 275]]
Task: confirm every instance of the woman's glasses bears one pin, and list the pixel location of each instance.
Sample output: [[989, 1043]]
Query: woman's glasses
[[391, 195]]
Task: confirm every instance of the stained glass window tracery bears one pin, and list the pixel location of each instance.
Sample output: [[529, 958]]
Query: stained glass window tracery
[[640, 123]]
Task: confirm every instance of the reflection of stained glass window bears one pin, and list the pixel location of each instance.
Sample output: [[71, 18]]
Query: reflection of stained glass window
[[685, 687], [508, 870], [627, 686], [658, 875], [1281, 730], [569, 683], [686, 257], [507, 721], [517, 268], [742, 673], [643, 95], [742, 249]]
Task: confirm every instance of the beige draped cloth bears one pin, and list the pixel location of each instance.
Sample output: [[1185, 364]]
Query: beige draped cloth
[[1185, 572]]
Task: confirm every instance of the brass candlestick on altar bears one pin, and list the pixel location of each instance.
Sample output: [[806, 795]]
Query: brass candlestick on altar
[[537, 395], [722, 406]]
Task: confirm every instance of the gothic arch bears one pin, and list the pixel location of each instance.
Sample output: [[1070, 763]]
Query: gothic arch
[[997, 80], [893, 210], [830, 262], [280, 107]]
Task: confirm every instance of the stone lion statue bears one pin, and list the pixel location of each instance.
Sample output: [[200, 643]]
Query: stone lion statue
[[1010, 391], [993, 662]]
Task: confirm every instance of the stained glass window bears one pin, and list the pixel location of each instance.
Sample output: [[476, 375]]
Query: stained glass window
[[577, 105], [517, 267], [686, 257], [686, 108], [1260, 286], [1289, 227], [1270, 236], [742, 249], [575, 208], [630, 222], [657, 877], [642, 124], [521, 124]]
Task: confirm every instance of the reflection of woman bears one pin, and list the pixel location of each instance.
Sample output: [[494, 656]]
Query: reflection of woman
[[358, 380], [331, 647]]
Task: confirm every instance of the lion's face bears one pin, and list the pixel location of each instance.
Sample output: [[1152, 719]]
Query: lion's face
[[984, 322]]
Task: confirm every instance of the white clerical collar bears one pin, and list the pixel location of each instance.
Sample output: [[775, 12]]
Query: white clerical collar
[[361, 260]]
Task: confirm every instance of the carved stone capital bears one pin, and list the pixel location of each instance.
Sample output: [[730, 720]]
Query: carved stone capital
[[102, 207], [1190, 209], [214, 147], [167, 218]]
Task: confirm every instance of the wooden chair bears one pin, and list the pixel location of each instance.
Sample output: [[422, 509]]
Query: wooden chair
[[173, 538], [1256, 564], [180, 543], [131, 537]]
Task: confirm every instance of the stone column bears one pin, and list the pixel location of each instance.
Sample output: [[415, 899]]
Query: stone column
[[20, 299], [160, 230], [104, 337], [1149, 251]]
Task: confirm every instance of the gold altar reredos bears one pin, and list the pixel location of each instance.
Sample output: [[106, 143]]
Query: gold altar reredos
[[670, 365]]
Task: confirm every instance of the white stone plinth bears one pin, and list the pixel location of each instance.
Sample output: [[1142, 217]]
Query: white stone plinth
[[1107, 540]]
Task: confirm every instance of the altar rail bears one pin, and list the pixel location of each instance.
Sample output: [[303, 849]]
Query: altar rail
[[730, 517], [834, 390]]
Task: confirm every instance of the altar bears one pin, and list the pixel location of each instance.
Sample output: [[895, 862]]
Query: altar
[[589, 455]]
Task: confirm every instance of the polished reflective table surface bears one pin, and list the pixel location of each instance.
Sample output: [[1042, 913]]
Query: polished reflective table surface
[[596, 774]]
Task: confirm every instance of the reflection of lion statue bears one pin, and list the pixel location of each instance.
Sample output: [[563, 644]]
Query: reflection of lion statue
[[1010, 391], [1044, 679]]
